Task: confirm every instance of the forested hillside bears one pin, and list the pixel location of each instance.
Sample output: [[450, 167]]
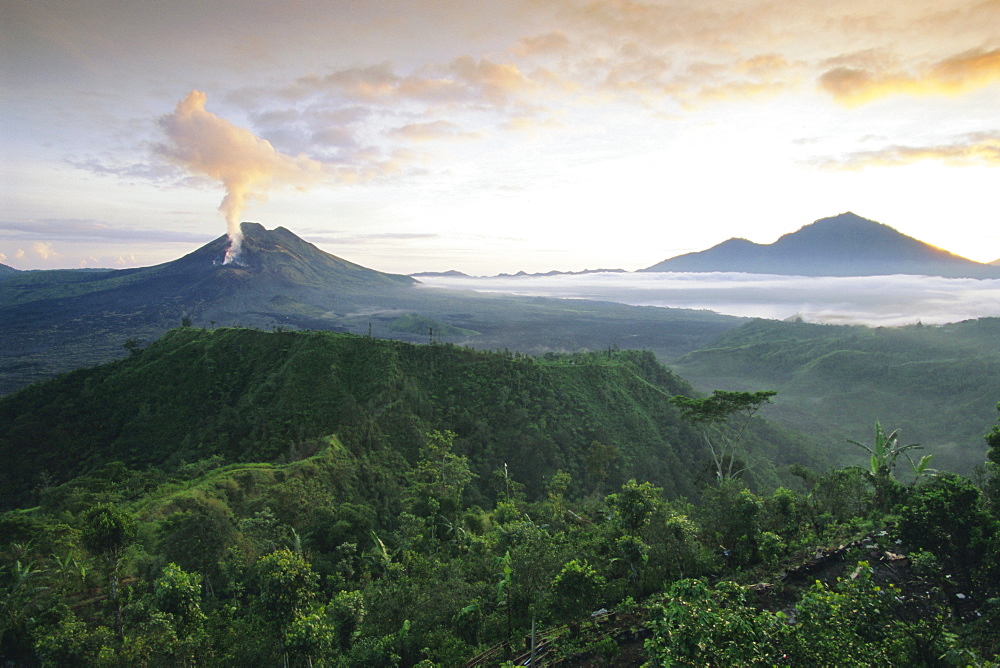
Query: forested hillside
[[937, 385], [246, 395], [236, 497]]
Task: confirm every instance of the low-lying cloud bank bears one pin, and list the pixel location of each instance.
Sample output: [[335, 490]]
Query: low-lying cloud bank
[[865, 300]]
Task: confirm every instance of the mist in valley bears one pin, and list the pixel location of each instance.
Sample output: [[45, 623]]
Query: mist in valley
[[875, 301]]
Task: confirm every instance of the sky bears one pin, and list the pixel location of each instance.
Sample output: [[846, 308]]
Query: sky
[[492, 136]]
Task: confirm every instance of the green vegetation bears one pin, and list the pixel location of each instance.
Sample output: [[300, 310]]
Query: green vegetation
[[935, 385], [411, 323], [235, 497], [250, 396]]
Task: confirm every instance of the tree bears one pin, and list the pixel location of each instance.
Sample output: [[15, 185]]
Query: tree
[[946, 518], [599, 462], [197, 538], [575, 590], [287, 586], [697, 625], [857, 621], [310, 633], [346, 610], [634, 554], [133, 346], [107, 533], [20, 601], [884, 452], [634, 505], [438, 482], [286, 602], [993, 441], [178, 595], [717, 409], [731, 516]]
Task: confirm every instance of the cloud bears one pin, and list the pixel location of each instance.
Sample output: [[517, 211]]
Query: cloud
[[853, 86], [432, 130], [44, 250], [553, 42], [867, 300], [382, 237], [83, 229], [139, 171], [39, 250], [246, 165], [979, 148], [464, 80], [496, 83], [366, 84]]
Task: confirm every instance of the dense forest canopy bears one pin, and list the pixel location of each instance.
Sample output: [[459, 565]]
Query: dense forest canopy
[[236, 497], [246, 395]]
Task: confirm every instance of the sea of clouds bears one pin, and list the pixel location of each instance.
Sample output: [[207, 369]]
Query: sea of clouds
[[866, 300]]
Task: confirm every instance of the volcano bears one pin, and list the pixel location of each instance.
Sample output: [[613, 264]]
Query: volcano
[[58, 319], [274, 267], [273, 259]]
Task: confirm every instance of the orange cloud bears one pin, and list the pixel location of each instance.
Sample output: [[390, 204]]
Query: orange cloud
[[496, 82], [463, 80], [981, 148], [44, 250], [853, 86], [549, 43], [432, 130]]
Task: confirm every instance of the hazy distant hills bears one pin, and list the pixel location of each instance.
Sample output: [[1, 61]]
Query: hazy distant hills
[[6, 271], [844, 245], [452, 273], [54, 321], [938, 385]]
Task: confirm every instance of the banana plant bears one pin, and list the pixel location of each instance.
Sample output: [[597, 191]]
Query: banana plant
[[921, 467], [883, 453]]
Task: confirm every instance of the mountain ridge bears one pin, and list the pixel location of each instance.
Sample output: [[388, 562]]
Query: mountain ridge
[[249, 395], [53, 321], [842, 245]]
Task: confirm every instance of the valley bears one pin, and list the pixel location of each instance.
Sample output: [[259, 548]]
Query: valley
[[298, 460]]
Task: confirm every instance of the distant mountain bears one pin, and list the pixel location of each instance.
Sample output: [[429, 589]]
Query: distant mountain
[[55, 321], [458, 274], [844, 245], [454, 273], [6, 271], [555, 272]]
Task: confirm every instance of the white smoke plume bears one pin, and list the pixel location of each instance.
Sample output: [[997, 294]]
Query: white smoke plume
[[246, 165]]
